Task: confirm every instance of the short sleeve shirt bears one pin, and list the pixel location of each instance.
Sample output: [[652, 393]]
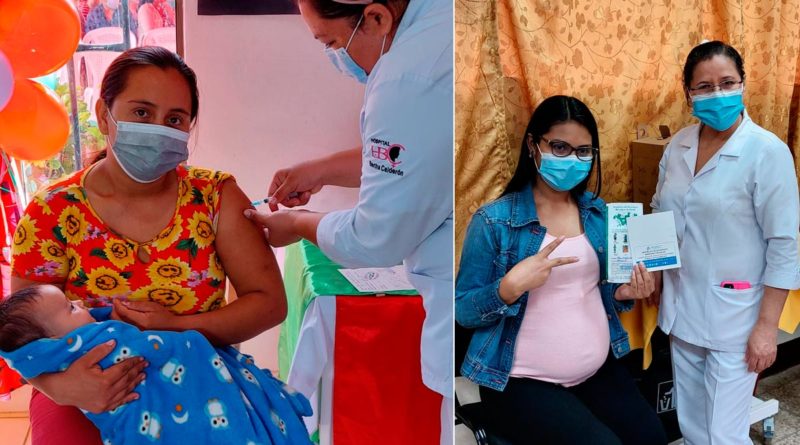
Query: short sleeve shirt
[[61, 240]]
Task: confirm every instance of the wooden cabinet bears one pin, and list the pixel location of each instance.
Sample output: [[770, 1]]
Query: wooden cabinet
[[645, 154]]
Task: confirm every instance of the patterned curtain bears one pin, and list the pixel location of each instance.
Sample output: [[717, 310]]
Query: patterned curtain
[[624, 59]]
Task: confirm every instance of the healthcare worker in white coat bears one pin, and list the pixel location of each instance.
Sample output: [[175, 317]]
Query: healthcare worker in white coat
[[732, 187], [403, 51]]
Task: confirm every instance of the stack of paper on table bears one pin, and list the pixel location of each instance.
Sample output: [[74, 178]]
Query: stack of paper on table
[[378, 279]]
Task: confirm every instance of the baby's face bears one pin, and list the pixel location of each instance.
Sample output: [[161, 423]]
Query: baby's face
[[60, 315]]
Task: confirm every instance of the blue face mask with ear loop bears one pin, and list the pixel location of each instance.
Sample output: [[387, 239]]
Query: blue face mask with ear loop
[[146, 152], [719, 109], [561, 173], [345, 64]]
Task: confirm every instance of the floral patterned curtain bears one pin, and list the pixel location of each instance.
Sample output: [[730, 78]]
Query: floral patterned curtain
[[624, 59]]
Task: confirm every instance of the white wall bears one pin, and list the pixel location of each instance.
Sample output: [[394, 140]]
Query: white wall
[[269, 98]]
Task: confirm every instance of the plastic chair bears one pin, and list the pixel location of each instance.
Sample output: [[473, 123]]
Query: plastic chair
[[80, 72], [472, 415], [107, 35], [96, 62], [151, 17], [148, 18], [163, 37]]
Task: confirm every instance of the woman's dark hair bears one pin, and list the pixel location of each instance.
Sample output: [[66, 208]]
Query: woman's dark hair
[[18, 324], [330, 9], [552, 111], [116, 77], [706, 51]]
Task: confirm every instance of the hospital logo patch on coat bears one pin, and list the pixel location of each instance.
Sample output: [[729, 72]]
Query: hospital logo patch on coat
[[384, 152]]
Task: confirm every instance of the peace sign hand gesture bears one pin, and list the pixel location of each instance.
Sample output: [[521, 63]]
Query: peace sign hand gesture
[[532, 272]]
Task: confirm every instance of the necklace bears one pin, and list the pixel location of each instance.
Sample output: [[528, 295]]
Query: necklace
[[143, 253]]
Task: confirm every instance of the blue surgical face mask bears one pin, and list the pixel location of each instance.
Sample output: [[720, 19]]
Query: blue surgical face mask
[[146, 152], [719, 110], [562, 174], [345, 64]]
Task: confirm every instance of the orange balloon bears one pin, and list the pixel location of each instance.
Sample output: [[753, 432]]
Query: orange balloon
[[33, 126], [38, 36]]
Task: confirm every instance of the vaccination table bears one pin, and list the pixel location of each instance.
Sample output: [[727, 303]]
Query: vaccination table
[[356, 356]]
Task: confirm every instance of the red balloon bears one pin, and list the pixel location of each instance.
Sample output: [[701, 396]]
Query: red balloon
[[38, 36], [33, 126]]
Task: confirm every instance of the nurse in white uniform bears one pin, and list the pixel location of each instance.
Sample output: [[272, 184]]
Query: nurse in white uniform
[[732, 187], [403, 51]]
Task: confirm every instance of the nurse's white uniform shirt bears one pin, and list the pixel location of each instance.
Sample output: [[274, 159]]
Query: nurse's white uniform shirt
[[737, 220], [405, 208]]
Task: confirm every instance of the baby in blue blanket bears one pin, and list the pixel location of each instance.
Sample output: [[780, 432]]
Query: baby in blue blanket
[[193, 393]]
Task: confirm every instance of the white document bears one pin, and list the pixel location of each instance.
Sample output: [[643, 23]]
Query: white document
[[654, 241], [620, 261], [378, 279]]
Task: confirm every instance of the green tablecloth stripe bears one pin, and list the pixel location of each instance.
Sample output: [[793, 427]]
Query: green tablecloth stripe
[[308, 273]]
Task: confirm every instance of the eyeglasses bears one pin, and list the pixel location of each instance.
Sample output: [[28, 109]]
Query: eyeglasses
[[562, 149], [726, 85]]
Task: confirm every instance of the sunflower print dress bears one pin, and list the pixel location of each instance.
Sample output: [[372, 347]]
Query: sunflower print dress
[[61, 240]]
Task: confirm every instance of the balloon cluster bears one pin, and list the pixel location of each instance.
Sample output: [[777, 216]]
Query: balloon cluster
[[37, 37]]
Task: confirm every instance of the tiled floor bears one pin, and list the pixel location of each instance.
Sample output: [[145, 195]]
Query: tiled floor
[[14, 424], [785, 387]]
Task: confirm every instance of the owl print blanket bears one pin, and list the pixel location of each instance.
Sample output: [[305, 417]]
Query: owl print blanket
[[193, 393]]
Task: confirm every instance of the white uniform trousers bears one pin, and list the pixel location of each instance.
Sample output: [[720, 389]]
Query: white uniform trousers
[[713, 391], [448, 421]]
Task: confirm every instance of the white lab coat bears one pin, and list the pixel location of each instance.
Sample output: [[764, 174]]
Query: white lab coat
[[405, 207], [737, 220]]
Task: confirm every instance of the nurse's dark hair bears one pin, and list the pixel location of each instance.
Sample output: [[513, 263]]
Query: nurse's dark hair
[[330, 9], [115, 79], [553, 111], [18, 323], [706, 51]]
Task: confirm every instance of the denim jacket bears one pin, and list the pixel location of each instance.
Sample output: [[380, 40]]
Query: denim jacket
[[501, 234]]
